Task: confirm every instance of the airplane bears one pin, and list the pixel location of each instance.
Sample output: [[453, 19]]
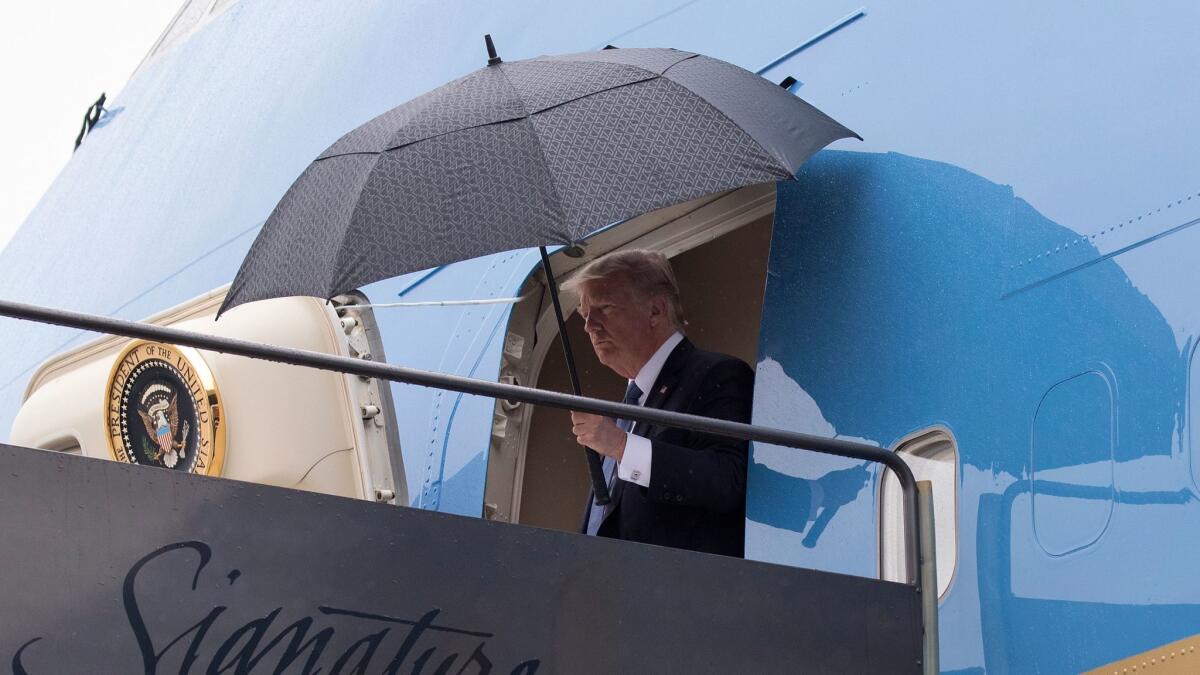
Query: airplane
[[994, 284]]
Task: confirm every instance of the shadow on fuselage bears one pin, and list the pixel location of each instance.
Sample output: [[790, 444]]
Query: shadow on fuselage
[[897, 299]]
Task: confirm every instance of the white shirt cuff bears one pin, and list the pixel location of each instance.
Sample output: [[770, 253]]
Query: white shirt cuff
[[634, 466]]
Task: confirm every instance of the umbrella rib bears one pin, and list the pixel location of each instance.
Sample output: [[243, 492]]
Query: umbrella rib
[[527, 115], [664, 72], [560, 59], [652, 76], [422, 140], [348, 154]]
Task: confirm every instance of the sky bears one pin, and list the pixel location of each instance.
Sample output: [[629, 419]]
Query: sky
[[56, 57]]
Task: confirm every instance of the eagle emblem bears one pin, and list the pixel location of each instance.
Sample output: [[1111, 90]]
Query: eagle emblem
[[159, 411], [174, 395]]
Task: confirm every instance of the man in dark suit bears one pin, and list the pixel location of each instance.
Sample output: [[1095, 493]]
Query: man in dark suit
[[669, 486]]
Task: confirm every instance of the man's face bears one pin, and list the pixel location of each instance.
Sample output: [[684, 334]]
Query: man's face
[[621, 325]]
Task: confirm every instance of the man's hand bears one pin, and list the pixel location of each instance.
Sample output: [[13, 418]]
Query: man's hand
[[598, 433]]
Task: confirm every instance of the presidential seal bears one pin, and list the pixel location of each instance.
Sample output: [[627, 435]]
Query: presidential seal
[[163, 409]]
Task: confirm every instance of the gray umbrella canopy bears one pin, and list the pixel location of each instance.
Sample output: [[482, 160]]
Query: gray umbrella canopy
[[523, 154]]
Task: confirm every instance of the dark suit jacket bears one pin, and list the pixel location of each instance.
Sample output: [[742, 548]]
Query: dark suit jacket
[[697, 494]]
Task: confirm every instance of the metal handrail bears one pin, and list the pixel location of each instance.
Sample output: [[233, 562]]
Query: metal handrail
[[914, 554]]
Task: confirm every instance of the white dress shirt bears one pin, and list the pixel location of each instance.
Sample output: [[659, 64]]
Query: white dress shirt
[[634, 466]]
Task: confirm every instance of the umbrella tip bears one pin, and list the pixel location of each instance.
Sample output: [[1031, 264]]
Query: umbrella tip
[[493, 58]]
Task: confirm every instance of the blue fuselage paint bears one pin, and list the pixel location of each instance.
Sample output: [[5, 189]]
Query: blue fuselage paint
[[1010, 252], [885, 314]]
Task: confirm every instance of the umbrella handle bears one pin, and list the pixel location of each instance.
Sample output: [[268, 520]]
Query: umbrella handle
[[595, 463]]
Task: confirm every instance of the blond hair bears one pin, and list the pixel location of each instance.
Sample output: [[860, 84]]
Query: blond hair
[[647, 273]]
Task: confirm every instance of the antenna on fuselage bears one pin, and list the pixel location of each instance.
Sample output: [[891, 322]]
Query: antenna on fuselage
[[90, 118]]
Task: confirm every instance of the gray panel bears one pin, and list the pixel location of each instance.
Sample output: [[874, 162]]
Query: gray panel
[[786, 126], [324, 197], [667, 146], [491, 192], [106, 564], [480, 98]]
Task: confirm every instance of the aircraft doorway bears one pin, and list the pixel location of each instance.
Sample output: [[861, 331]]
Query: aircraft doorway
[[719, 249]]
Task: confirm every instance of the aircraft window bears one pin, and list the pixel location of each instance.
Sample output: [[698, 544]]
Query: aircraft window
[[1073, 434], [932, 455], [69, 445]]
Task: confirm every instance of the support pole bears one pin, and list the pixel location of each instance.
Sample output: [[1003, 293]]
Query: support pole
[[466, 385], [929, 587]]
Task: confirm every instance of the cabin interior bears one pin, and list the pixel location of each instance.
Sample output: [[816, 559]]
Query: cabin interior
[[718, 246]]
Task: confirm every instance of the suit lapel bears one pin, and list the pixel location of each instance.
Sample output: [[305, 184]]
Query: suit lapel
[[668, 377]]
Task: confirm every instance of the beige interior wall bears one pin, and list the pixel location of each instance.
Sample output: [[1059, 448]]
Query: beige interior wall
[[722, 284], [555, 483]]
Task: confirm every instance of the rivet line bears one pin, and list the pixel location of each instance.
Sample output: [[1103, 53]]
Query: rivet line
[[1094, 236]]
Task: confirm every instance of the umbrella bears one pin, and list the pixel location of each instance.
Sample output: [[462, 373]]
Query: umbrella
[[529, 153]]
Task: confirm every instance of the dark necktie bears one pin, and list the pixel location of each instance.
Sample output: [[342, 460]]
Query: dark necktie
[[633, 396], [597, 514]]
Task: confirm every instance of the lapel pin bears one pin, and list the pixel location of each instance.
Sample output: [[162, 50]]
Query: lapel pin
[[663, 390]]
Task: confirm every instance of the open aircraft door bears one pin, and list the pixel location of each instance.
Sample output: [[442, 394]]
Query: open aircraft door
[[248, 420]]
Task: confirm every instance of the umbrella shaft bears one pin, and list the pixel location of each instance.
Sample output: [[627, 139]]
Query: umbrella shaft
[[562, 324], [595, 464]]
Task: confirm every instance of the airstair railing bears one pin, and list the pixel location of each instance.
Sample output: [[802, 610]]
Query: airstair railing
[[918, 552]]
